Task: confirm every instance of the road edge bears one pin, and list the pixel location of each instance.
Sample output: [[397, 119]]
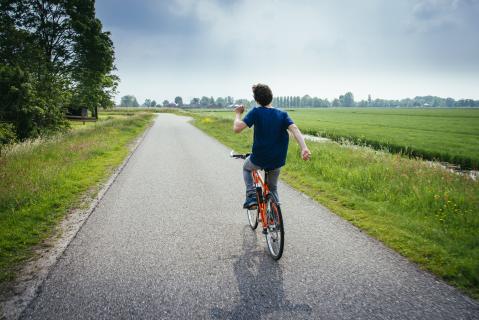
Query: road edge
[[32, 275]]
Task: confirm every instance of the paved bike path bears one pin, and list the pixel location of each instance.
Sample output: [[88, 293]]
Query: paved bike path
[[170, 241]]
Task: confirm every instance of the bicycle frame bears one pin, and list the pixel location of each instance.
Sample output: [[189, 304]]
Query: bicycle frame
[[259, 182], [272, 222]]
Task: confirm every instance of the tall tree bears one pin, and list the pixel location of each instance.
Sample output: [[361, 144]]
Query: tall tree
[[62, 55], [449, 102], [220, 102], [195, 102], [93, 61], [347, 100], [204, 101], [35, 45], [129, 101], [306, 101], [179, 101], [147, 103]]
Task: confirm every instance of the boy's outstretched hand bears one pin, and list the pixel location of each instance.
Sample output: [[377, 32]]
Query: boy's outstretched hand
[[239, 109], [305, 154]]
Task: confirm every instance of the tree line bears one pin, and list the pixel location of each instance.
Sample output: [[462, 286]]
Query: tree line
[[306, 101], [203, 102], [54, 59]]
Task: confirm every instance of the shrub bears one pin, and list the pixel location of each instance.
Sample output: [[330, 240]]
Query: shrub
[[28, 114], [7, 135]]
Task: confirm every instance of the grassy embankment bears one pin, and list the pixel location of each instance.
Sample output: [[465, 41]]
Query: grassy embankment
[[449, 135], [40, 182], [427, 214]]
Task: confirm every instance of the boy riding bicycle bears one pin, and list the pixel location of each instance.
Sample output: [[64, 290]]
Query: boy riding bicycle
[[270, 141]]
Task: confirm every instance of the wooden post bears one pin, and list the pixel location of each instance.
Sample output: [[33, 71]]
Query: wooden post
[[84, 114]]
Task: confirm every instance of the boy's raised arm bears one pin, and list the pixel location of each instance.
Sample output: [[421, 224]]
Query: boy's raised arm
[[305, 153], [238, 124]]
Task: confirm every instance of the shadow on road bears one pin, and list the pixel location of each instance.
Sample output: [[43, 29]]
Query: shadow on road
[[260, 282]]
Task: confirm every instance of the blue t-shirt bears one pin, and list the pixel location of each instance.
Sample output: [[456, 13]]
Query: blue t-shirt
[[270, 144]]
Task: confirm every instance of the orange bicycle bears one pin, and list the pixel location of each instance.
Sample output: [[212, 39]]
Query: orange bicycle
[[268, 212]]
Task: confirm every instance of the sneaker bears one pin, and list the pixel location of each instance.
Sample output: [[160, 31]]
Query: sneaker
[[251, 203]]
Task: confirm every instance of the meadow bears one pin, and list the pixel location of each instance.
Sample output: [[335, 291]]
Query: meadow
[[42, 180], [450, 135], [426, 213]]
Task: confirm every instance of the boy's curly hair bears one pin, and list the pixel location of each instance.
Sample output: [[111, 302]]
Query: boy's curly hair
[[262, 94]]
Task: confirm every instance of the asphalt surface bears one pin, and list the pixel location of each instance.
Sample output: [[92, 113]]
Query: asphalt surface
[[170, 241]]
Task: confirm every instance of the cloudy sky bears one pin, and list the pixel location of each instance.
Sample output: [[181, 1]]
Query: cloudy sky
[[389, 49]]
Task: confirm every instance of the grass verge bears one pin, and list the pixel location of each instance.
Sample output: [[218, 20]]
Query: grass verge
[[449, 135], [427, 214], [42, 181]]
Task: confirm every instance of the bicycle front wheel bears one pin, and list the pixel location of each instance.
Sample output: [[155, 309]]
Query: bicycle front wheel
[[275, 229]]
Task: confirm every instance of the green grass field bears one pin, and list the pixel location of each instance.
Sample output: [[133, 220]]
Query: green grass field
[[425, 213], [450, 135], [41, 181]]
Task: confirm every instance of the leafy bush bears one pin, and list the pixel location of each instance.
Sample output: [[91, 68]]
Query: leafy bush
[[27, 114], [7, 135]]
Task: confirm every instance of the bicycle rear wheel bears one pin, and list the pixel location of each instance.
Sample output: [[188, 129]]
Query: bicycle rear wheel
[[253, 217], [275, 231]]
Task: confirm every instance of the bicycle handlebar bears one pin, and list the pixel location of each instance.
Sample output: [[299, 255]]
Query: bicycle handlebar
[[239, 156]]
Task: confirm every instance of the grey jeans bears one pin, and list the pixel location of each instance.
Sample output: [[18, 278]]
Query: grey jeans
[[272, 178]]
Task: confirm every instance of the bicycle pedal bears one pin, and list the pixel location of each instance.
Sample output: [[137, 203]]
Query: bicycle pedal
[[265, 231]]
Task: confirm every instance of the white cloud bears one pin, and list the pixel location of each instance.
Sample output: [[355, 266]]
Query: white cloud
[[387, 48]]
